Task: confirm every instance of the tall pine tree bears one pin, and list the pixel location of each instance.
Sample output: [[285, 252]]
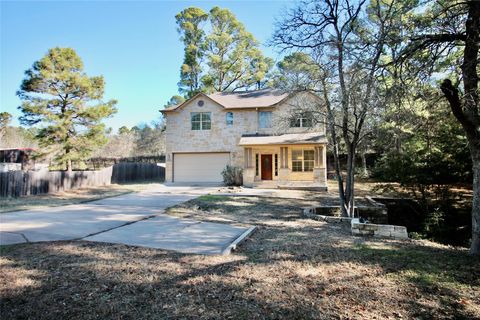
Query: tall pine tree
[[67, 106], [189, 23], [220, 55], [233, 55]]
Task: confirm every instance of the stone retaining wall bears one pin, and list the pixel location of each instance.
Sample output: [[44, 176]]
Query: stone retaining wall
[[378, 230], [310, 213], [377, 213], [362, 229]]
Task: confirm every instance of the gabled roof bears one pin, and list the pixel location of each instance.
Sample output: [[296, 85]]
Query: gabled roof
[[240, 100]]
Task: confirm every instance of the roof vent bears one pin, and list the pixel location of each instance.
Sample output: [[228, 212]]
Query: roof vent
[[200, 103]]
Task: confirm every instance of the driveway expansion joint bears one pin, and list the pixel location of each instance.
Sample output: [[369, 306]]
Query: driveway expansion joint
[[21, 234], [116, 227]]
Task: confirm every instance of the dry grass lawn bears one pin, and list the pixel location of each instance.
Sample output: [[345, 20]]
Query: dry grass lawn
[[290, 268]]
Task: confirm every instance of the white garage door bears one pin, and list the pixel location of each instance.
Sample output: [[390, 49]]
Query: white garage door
[[199, 167]]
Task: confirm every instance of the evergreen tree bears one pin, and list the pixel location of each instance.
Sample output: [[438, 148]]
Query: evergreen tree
[[189, 23], [174, 100], [447, 40], [297, 71], [5, 118], [66, 104], [233, 56], [227, 58]]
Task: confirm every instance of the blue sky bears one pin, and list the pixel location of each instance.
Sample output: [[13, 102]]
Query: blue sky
[[133, 44]]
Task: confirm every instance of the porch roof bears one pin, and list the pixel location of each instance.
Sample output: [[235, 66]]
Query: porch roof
[[291, 138]]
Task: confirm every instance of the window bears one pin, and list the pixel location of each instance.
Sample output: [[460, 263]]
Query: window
[[297, 159], [256, 164], [265, 119], [304, 120], [201, 120], [308, 160], [229, 118], [302, 160]]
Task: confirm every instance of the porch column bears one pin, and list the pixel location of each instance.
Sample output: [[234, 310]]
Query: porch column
[[248, 158], [318, 157], [283, 171], [325, 160], [320, 168], [248, 168]]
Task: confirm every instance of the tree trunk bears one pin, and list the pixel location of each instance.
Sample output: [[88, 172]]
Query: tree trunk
[[467, 112], [475, 245], [364, 163], [335, 144], [69, 166], [69, 161], [350, 182]]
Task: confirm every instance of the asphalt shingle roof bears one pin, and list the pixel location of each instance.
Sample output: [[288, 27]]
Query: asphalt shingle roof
[[244, 99]]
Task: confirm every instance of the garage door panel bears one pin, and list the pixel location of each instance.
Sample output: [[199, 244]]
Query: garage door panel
[[199, 167]]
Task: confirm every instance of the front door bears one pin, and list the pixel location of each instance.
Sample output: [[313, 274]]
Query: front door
[[266, 167]]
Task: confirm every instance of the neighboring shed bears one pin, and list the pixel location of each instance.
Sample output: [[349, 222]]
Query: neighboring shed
[[16, 158]]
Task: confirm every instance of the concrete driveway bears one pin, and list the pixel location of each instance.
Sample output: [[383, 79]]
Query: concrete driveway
[[133, 219]]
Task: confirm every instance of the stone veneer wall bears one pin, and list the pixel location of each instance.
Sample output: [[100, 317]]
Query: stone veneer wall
[[221, 138]]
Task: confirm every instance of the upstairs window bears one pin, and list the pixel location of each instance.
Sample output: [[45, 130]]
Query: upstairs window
[[201, 120], [304, 120], [229, 118], [265, 119], [302, 160]]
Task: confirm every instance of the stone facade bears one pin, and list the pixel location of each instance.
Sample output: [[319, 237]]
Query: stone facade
[[225, 138]]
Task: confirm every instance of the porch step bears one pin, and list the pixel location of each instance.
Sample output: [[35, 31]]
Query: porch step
[[307, 186], [266, 185]]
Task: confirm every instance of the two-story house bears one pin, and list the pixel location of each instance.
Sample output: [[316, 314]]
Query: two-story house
[[276, 137]]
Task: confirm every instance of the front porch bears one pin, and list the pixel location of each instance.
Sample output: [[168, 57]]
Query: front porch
[[290, 161]]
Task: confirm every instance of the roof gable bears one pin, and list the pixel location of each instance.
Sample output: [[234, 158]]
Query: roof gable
[[249, 99], [240, 100]]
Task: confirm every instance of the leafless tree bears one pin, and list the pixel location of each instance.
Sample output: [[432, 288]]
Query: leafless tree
[[347, 37]]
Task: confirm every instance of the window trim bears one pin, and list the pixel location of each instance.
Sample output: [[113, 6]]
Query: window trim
[[202, 122], [303, 160]]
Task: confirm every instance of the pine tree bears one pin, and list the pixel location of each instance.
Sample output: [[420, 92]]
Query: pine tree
[[189, 23], [220, 55], [67, 106], [233, 55]]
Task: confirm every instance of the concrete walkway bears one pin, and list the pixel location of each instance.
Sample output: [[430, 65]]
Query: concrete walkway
[[133, 219]]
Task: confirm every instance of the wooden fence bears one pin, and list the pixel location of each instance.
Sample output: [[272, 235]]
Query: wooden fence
[[23, 183], [99, 163], [125, 172]]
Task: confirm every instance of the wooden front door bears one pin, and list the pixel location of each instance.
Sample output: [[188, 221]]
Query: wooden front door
[[266, 167]]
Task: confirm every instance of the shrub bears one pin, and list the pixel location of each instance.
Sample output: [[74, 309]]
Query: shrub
[[232, 176]]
